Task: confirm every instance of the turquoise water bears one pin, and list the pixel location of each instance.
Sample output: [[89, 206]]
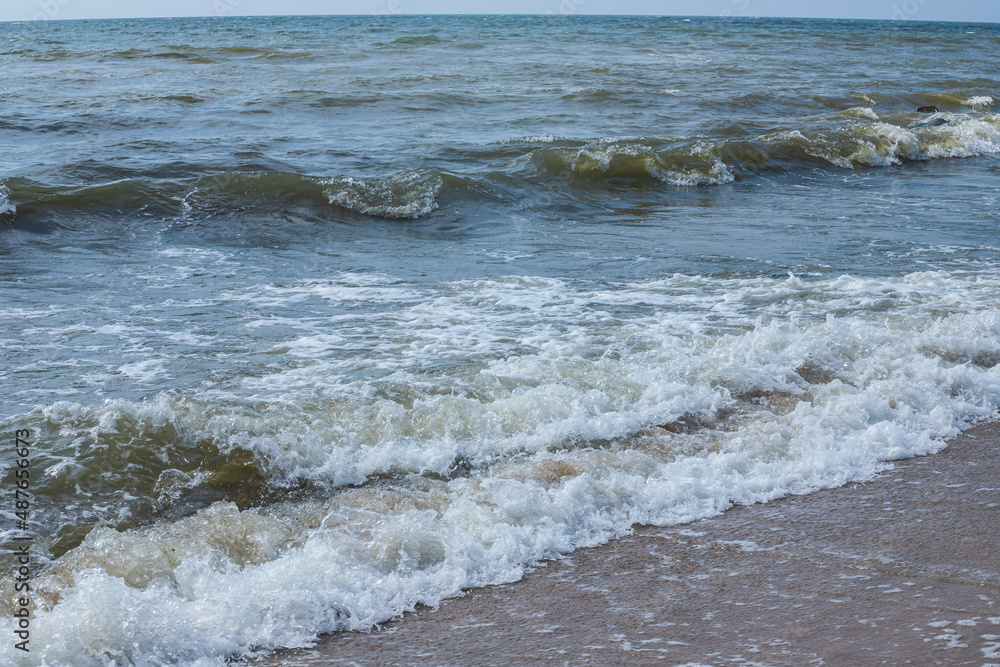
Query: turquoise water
[[315, 319]]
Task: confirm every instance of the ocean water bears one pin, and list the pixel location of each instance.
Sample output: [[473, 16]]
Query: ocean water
[[313, 320]]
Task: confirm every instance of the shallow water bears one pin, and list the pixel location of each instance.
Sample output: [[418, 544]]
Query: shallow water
[[315, 319]]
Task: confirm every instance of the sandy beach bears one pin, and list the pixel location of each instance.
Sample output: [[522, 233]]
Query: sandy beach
[[901, 570]]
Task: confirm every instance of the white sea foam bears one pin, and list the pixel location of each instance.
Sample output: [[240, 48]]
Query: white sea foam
[[405, 194], [715, 172], [979, 102], [619, 158], [546, 392], [537, 139], [885, 144], [862, 112], [6, 207], [200, 254], [144, 371], [882, 144], [966, 138], [342, 287], [860, 138]]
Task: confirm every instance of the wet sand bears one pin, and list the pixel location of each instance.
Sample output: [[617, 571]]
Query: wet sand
[[901, 570]]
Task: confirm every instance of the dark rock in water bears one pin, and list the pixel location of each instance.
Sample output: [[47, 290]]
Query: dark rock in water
[[927, 110], [686, 423], [937, 122]]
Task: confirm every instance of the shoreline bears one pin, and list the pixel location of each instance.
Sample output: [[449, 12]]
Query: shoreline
[[902, 569]]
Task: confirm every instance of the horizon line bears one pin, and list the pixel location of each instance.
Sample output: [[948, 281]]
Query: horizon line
[[554, 14]]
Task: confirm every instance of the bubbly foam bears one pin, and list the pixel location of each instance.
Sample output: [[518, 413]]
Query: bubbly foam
[[144, 371], [966, 138], [404, 194], [504, 421], [6, 207], [883, 144], [624, 158], [979, 102], [866, 113], [858, 137]]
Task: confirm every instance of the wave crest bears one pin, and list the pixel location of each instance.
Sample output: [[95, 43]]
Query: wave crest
[[945, 136], [624, 160], [979, 102], [404, 194], [856, 137], [532, 454], [6, 207]]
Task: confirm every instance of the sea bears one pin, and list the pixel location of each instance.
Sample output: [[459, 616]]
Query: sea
[[310, 321]]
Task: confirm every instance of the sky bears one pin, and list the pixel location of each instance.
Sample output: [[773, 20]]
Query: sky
[[926, 10]]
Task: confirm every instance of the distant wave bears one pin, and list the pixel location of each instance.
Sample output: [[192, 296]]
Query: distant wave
[[634, 160], [511, 170], [404, 194], [417, 40]]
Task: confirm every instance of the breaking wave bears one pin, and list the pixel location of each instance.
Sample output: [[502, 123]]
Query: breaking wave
[[568, 412], [634, 161], [406, 194], [6, 208], [854, 138]]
